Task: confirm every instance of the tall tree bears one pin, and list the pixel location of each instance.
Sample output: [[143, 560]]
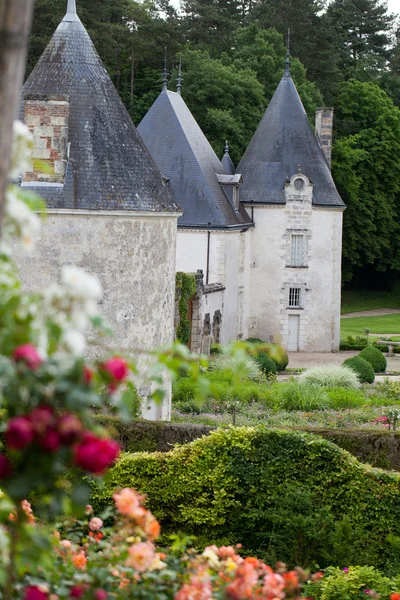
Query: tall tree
[[366, 170], [363, 29], [15, 21]]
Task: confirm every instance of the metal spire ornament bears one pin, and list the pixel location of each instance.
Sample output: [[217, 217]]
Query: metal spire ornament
[[179, 79], [165, 72], [287, 60]]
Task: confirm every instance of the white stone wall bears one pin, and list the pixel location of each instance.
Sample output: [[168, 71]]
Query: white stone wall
[[319, 277], [133, 254], [229, 255]]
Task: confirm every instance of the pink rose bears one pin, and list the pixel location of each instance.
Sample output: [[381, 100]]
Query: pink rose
[[35, 592], [116, 370], [19, 433], [5, 467], [41, 418], [95, 524], [28, 354], [87, 375], [50, 440], [70, 428], [100, 594], [77, 591], [95, 454], [141, 556]]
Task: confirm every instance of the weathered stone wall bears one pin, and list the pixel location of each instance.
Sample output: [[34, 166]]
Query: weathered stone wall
[[133, 254], [47, 119]]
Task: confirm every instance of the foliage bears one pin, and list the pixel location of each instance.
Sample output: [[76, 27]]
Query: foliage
[[276, 352], [184, 291], [266, 364], [244, 484], [353, 343], [342, 398], [306, 397], [382, 324], [375, 358], [250, 367], [352, 582], [330, 376], [361, 367]]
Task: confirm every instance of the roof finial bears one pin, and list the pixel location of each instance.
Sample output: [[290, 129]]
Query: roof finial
[[226, 149], [179, 79], [287, 60], [165, 72], [71, 8]]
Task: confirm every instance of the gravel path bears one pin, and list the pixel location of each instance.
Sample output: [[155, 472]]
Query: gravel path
[[305, 360], [378, 312]]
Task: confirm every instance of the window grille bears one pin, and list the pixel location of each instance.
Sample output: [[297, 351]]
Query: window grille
[[297, 251], [294, 297]]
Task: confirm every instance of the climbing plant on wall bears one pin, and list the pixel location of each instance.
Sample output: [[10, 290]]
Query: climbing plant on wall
[[184, 291]]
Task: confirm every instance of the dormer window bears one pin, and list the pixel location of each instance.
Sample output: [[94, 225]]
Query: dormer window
[[231, 184], [298, 184]]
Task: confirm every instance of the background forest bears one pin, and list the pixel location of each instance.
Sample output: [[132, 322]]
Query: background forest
[[345, 54]]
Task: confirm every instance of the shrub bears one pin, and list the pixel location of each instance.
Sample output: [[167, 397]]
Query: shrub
[[353, 343], [341, 398], [184, 390], [281, 494], [244, 367], [215, 349], [352, 583], [360, 366], [276, 352], [375, 358], [266, 364], [330, 376], [306, 397]]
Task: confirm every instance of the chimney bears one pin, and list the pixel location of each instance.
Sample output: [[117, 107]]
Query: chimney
[[323, 131]]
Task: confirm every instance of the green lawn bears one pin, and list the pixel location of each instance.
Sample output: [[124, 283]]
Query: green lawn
[[384, 325], [357, 300]]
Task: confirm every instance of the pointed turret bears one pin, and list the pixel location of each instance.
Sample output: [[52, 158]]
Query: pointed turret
[[95, 158], [227, 161], [284, 140], [198, 181]]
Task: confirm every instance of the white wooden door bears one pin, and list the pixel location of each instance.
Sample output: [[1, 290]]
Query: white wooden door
[[293, 336]]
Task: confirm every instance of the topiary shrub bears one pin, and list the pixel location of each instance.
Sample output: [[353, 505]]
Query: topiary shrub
[[375, 358], [330, 376], [360, 366], [266, 364], [283, 495]]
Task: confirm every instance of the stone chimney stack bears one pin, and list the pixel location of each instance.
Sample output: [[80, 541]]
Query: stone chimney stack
[[323, 131]]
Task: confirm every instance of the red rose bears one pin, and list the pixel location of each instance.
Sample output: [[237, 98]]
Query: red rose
[[70, 428], [95, 454], [100, 594], [50, 440], [34, 592], [28, 354], [5, 467], [42, 418], [19, 433], [77, 591], [116, 368], [87, 375]]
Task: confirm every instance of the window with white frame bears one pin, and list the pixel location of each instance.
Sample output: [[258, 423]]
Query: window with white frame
[[297, 250], [294, 297]]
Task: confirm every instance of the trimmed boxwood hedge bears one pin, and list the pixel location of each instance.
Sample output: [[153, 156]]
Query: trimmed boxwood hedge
[[284, 495], [375, 358], [360, 366]]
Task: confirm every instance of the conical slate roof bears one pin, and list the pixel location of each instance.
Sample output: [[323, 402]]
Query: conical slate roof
[[184, 155], [283, 144], [109, 167], [227, 161]]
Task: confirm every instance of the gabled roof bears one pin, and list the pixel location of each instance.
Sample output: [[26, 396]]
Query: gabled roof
[[109, 167], [283, 144], [184, 155]]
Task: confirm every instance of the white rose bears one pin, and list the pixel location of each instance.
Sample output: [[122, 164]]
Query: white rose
[[81, 283]]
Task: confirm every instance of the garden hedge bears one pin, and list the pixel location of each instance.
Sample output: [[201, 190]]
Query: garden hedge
[[375, 358], [284, 495], [360, 366], [377, 448]]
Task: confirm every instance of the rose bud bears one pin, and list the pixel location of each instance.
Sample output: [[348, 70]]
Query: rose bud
[[28, 354], [50, 440], [100, 594], [35, 592], [87, 375], [5, 467], [19, 433], [77, 591], [42, 418], [70, 428]]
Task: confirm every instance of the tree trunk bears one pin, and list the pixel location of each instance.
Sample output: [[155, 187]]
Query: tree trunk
[[15, 20]]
